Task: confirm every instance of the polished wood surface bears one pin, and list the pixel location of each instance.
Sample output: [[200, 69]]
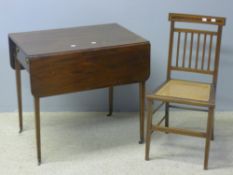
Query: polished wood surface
[[75, 59], [118, 55], [91, 69], [44, 43], [194, 51]]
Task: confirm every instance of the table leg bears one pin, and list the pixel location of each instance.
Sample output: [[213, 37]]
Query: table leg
[[19, 93], [142, 107], [110, 100], [37, 126]]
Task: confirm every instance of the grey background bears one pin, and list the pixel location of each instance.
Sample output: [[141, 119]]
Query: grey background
[[148, 18]]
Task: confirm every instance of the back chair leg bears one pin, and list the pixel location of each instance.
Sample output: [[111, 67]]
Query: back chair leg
[[149, 128], [208, 136], [212, 134], [167, 114]]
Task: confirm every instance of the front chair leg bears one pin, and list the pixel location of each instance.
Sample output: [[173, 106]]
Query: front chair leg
[[208, 136], [110, 101], [37, 126], [149, 129], [19, 94]]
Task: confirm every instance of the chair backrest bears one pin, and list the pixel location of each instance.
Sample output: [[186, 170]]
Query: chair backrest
[[196, 50]]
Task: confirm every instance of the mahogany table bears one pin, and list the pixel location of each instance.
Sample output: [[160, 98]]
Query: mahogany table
[[77, 59]]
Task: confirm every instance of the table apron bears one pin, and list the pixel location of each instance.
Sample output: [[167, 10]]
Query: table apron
[[89, 70]]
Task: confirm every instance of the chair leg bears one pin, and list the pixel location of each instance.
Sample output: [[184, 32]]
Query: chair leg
[[208, 136], [212, 134], [167, 114], [149, 131]]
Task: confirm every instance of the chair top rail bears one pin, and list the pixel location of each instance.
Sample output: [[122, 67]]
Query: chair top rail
[[178, 17]]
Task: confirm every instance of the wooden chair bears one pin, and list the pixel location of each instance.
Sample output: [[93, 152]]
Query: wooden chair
[[195, 51]]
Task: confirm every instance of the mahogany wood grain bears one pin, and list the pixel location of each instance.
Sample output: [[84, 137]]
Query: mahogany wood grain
[[75, 59], [60, 74]]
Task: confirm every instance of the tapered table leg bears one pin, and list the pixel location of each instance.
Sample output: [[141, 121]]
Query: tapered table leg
[[19, 94], [110, 101], [142, 107], [37, 126]]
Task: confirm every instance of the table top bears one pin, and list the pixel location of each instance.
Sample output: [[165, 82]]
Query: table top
[[59, 41]]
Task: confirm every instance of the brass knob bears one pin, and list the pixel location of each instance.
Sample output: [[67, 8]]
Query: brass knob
[[27, 60]]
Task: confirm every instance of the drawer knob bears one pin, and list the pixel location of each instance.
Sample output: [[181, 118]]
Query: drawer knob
[[27, 60]]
